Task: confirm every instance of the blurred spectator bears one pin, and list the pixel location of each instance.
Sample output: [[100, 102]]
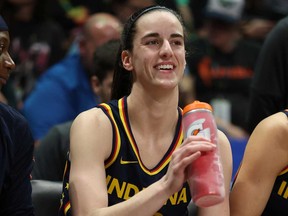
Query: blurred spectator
[[72, 14], [197, 8], [124, 8], [172, 4], [64, 90], [222, 64], [50, 155], [192, 13], [36, 43], [186, 12], [260, 16], [269, 89], [186, 90]]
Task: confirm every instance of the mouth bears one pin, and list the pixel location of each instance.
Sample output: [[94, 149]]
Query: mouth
[[165, 67]]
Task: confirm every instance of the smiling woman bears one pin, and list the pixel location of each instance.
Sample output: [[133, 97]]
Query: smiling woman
[[127, 156]]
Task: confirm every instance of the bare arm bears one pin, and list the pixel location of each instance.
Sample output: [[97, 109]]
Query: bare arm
[[91, 142], [226, 159], [90, 145], [264, 158]]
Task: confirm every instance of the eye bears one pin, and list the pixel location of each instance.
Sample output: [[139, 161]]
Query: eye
[[152, 42], [177, 42]]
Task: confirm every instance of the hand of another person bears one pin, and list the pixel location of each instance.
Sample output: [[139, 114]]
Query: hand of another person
[[257, 28]]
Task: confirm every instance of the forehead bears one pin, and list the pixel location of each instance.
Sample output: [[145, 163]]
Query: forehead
[[158, 21]]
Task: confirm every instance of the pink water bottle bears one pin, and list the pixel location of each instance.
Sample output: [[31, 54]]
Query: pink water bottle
[[207, 180]]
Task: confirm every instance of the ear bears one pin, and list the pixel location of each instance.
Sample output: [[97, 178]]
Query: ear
[[95, 85], [126, 60]]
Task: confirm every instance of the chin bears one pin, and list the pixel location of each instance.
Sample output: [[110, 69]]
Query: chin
[[169, 84]]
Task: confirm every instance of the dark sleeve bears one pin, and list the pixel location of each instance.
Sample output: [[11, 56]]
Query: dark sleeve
[[269, 85], [50, 155], [16, 192]]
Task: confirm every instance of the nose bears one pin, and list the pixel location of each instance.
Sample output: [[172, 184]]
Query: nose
[[9, 63], [166, 50]]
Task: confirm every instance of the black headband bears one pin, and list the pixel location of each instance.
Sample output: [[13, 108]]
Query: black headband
[[135, 16]]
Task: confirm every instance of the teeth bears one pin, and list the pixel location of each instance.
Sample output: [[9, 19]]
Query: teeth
[[165, 67]]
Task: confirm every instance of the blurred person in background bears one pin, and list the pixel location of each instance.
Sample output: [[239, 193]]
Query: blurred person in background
[[124, 8], [222, 64], [260, 16], [71, 14], [51, 153], [63, 91], [269, 87], [37, 42], [192, 12]]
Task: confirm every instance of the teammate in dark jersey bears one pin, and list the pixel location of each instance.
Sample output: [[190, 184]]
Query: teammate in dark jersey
[[261, 186], [128, 157], [16, 145], [269, 89]]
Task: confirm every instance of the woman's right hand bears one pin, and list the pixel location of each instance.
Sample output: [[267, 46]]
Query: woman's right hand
[[189, 151]]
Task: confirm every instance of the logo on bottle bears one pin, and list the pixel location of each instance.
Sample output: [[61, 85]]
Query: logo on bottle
[[196, 128]]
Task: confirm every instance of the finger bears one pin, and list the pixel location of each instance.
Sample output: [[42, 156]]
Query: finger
[[196, 139], [191, 149], [181, 166]]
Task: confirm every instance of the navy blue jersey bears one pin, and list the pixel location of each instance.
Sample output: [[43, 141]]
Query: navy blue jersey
[[16, 163], [277, 204], [126, 174]]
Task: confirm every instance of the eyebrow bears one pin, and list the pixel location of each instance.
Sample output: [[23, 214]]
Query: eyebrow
[[174, 35]]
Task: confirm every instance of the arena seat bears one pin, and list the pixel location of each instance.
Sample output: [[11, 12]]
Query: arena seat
[[46, 197]]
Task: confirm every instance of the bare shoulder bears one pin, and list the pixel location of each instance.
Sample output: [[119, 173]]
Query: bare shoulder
[[275, 122], [274, 127], [223, 141], [268, 140], [91, 117], [93, 129]]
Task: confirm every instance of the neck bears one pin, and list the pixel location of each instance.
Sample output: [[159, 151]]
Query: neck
[[153, 115]]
